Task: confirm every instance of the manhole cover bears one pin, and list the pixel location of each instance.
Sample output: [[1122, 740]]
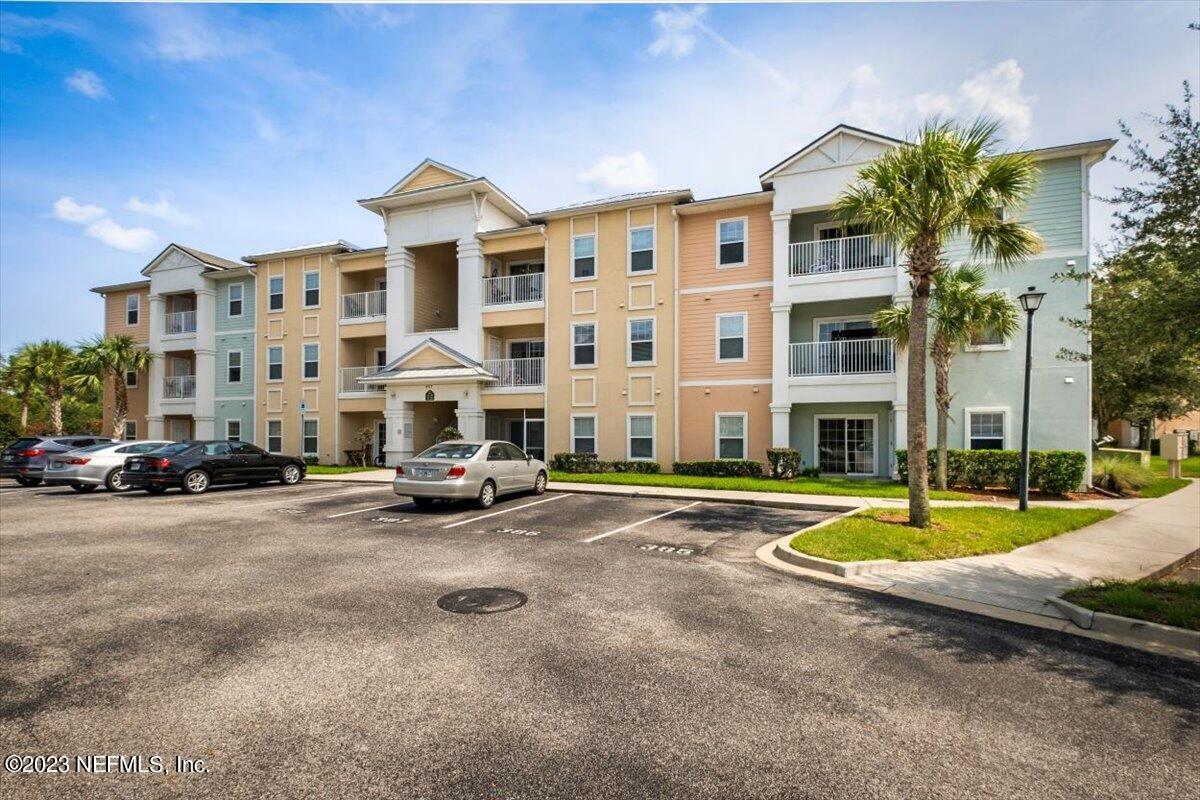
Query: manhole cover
[[481, 601]]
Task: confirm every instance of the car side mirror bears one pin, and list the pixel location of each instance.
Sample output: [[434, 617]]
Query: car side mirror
[[528, 458]]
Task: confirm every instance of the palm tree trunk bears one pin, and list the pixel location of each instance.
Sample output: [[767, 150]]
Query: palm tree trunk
[[24, 413], [56, 415], [918, 435], [120, 406], [942, 355]]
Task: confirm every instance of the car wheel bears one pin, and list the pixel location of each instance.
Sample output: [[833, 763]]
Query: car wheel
[[83, 488], [539, 483], [27, 481], [487, 495], [423, 502], [156, 489], [290, 475], [113, 481], [195, 481]]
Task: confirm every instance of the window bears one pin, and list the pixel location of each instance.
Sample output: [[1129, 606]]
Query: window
[[583, 256], [275, 293], [989, 339], [312, 363], [233, 366], [244, 449], [233, 430], [731, 337], [583, 434], [131, 379], [731, 436], [641, 249], [641, 341], [236, 295], [583, 344], [217, 449], [274, 436], [496, 453], [846, 445], [133, 309], [312, 289], [641, 437], [310, 437], [130, 430], [985, 430], [731, 242], [275, 363]]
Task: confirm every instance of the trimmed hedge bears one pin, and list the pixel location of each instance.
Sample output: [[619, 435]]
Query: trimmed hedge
[[1050, 471], [785, 463], [583, 463], [723, 468]]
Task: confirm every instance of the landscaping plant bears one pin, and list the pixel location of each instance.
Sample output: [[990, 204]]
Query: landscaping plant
[[1120, 475], [108, 359]]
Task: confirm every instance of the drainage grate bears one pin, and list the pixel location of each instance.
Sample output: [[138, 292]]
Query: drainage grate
[[481, 601]]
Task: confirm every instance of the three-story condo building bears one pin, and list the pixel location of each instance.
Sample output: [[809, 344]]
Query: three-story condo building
[[648, 326]]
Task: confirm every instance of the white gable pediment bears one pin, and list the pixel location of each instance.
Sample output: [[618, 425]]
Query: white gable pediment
[[841, 146], [172, 258]]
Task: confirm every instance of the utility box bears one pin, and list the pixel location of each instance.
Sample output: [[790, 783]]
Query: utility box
[[1173, 448]]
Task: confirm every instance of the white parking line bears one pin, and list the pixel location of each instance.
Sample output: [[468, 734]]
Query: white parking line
[[363, 510], [505, 511], [600, 536]]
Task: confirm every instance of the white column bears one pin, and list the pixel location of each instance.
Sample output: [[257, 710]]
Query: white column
[[205, 364], [399, 418], [781, 405], [900, 396], [470, 296], [156, 321], [781, 223], [401, 279]]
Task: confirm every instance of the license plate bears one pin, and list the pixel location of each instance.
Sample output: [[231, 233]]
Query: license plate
[[9, 457], [424, 473], [136, 466], [56, 465]]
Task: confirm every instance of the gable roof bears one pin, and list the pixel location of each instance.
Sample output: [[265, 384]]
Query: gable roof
[[422, 167], [210, 261], [334, 246], [617, 201], [765, 178], [462, 367]]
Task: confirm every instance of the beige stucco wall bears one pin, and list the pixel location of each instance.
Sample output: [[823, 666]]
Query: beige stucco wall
[[115, 325], [698, 407]]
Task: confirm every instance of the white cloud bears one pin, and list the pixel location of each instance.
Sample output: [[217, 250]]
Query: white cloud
[[162, 209], [266, 129], [66, 209], [678, 30], [372, 15], [9, 46], [997, 92], [863, 77], [131, 240], [629, 172], [88, 84], [183, 34]]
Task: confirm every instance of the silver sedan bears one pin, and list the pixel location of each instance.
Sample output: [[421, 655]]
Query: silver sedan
[[481, 471], [89, 468]]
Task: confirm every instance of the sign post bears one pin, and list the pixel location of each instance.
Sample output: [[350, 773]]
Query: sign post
[[303, 408]]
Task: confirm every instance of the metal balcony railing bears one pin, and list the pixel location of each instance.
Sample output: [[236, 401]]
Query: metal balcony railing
[[510, 289], [364, 304], [181, 322], [839, 255], [517, 371], [350, 376], [848, 357], [179, 387]]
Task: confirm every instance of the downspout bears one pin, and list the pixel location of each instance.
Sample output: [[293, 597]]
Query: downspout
[[675, 325]]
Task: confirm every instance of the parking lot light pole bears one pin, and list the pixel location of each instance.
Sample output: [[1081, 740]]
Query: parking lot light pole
[[1030, 302]]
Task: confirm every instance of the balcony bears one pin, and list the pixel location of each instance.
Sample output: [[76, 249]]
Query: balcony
[[831, 256], [179, 322], [517, 373], [513, 289], [364, 305], [179, 387], [847, 357], [348, 382]]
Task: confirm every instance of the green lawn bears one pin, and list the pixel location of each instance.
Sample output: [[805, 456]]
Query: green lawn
[[1167, 602], [1162, 486], [846, 487], [324, 469], [956, 532], [1191, 466]]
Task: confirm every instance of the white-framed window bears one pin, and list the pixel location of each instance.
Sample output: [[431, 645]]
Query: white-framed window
[[311, 429], [583, 344], [274, 436], [731, 242], [311, 361], [275, 293], [130, 430], [988, 339], [235, 302], [583, 256], [275, 363], [641, 249], [731, 336], [986, 428], [312, 289], [730, 433], [131, 379], [583, 433], [233, 366], [133, 309], [233, 430], [641, 341], [639, 430]]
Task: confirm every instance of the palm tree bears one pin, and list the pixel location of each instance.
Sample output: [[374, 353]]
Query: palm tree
[[961, 312], [100, 359], [20, 378], [53, 361], [920, 195]]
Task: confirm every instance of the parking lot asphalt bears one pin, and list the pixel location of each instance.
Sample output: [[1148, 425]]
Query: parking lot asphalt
[[290, 637]]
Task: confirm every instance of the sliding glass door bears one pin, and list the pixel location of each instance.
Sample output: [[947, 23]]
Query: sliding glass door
[[846, 445]]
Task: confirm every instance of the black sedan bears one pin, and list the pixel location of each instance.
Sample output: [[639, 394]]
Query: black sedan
[[195, 466]]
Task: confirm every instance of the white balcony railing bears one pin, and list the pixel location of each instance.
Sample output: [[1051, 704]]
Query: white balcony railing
[[509, 289], [181, 322], [848, 357], [364, 304], [179, 387], [517, 371], [349, 379], [839, 255]]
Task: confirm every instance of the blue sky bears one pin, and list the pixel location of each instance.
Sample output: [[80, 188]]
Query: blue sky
[[244, 128]]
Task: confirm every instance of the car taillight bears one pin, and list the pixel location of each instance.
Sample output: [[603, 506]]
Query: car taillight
[[34, 453], [457, 471], [399, 470], [78, 460], [160, 463]]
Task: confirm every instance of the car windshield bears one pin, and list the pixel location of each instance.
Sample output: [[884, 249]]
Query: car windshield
[[172, 449], [21, 444], [456, 451]]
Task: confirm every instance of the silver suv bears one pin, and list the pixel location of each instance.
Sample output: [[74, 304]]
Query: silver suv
[[26, 458]]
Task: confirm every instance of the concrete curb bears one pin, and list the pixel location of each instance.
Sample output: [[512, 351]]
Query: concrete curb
[[843, 569], [1141, 630], [698, 494]]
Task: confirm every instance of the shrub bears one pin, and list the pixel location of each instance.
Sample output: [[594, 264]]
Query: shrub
[[448, 434], [575, 462], [784, 462], [311, 461], [1119, 474], [810, 472], [639, 467], [1050, 471], [1057, 471], [723, 468]]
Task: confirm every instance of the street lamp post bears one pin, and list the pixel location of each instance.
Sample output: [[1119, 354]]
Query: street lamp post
[[1030, 302]]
